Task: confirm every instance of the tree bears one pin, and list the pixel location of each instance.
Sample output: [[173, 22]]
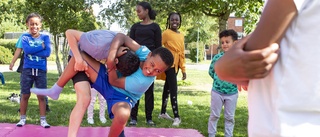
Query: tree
[[10, 21], [221, 9], [60, 15]]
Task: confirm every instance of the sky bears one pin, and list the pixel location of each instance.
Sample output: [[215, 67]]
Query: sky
[[97, 9]]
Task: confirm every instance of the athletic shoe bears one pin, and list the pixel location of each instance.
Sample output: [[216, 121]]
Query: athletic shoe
[[21, 122], [165, 116], [133, 122], [151, 123], [44, 123], [90, 121], [103, 120], [176, 122]]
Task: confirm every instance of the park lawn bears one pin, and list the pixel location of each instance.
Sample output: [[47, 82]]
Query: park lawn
[[193, 99]]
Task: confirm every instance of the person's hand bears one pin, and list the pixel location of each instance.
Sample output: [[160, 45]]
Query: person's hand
[[111, 64], [238, 66], [43, 46], [11, 66], [242, 87], [184, 76], [80, 65], [122, 50]]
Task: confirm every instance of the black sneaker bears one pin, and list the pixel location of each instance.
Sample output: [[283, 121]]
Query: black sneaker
[[47, 108], [133, 122], [151, 123]]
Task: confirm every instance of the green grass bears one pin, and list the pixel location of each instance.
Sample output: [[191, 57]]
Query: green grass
[[194, 116]]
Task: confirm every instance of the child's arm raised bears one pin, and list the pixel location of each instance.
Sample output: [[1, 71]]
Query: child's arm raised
[[73, 36], [119, 40]]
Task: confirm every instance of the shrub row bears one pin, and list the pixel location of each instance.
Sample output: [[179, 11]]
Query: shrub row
[[5, 55]]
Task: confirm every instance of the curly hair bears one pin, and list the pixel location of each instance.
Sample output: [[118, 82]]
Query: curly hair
[[128, 63], [229, 32]]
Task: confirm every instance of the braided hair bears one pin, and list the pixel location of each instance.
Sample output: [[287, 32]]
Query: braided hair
[[168, 20]]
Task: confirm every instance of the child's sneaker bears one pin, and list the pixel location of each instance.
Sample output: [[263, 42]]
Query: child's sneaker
[[103, 120], [151, 123], [176, 122], [133, 122], [165, 116], [21, 122], [90, 121], [44, 123]]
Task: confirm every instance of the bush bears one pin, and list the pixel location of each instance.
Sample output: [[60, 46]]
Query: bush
[[5, 55], [193, 51], [9, 44]]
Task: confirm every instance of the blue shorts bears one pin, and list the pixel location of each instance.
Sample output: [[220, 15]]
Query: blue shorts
[[30, 76], [112, 96]]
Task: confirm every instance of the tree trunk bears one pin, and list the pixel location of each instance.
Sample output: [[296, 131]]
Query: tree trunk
[[65, 52], [222, 26], [56, 50]]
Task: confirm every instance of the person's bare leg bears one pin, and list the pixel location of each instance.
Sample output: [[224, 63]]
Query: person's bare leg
[[24, 104], [23, 109], [68, 73], [56, 89], [121, 111], [83, 100], [42, 105]]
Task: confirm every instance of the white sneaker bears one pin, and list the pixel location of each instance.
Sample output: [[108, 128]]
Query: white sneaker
[[90, 121], [44, 123], [103, 120], [21, 122], [176, 122], [165, 116]]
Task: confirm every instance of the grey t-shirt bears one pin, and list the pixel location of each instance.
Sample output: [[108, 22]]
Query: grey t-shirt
[[97, 43]]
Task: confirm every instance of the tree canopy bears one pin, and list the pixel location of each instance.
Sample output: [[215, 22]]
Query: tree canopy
[[202, 20]]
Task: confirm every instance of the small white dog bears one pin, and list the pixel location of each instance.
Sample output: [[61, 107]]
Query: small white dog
[[14, 98]]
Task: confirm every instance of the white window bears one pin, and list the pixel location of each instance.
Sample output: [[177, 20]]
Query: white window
[[238, 22]]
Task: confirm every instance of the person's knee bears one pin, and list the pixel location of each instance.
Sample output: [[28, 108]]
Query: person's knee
[[121, 118], [40, 98], [121, 112], [25, 96]]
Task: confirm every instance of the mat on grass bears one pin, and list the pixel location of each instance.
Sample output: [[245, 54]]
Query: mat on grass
[[29, 130]]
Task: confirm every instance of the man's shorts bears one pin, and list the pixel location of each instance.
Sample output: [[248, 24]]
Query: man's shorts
[[30, 76], [112, 96]]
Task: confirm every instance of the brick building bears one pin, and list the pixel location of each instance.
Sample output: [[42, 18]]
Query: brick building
[[234, 23]]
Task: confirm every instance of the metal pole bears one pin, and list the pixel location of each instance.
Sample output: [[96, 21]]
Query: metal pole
[[198, 46]]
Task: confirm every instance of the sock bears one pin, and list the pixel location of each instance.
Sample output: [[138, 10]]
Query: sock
[[42, 117], [53, 92], [23, 116]]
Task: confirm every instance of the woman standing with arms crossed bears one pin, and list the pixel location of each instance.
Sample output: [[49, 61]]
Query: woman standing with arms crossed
[[146, 33], [173, 40]]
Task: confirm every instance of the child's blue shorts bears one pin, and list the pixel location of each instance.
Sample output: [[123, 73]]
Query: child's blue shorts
[[112, 96]]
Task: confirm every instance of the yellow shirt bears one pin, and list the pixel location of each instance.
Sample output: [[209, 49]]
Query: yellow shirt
[[175, 43]]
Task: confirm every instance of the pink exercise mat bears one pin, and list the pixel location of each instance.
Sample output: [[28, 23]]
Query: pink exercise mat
[[29, 130]]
